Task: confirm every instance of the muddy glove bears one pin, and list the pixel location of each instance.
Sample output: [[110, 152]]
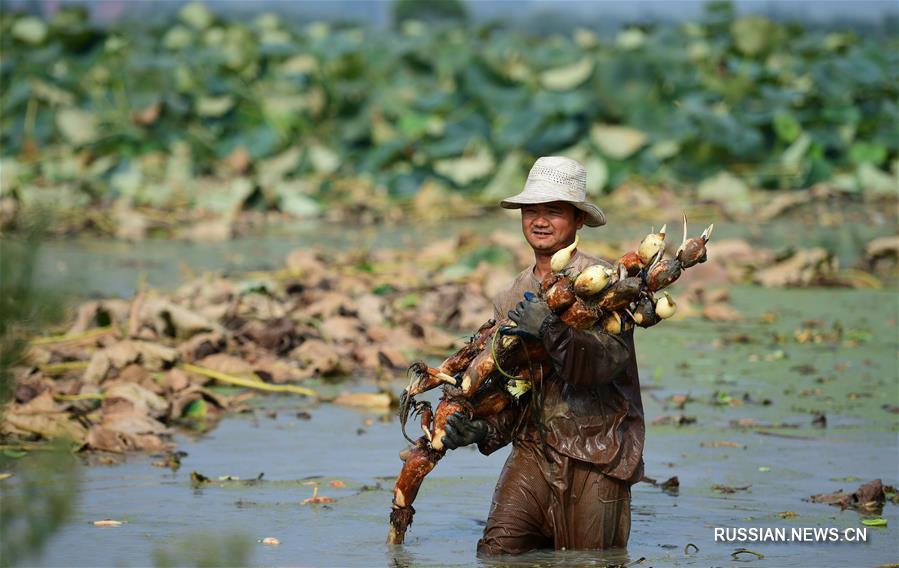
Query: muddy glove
[[529, 314], [460, 431]]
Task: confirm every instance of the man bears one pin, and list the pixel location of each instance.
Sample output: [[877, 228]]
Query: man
[[566, 484]]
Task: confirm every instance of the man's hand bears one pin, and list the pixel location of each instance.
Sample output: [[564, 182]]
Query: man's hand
[[460, 431], [529, 316]]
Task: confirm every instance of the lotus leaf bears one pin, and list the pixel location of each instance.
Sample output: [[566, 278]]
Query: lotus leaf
[[630, 38], [196, 15], [214, 106], [517, 126], [78, 126], [466, 169], [752, 34], [727, 190], [568, 77], [557, 135], [791, 105], [210, 196], [873, 179], [295, 203], [324, 160], [508, 179], [178, 38], [30, 30], [786, 126], [795, 153], [617, 142], [865, 152]]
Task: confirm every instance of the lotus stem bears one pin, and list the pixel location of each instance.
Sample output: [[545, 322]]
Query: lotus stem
[[249, 383]]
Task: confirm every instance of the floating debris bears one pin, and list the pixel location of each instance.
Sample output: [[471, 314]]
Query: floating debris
[[727, 489], [869, 497], [317, 499]]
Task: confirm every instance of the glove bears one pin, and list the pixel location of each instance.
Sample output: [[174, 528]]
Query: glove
[[460, 431], [529, 314]]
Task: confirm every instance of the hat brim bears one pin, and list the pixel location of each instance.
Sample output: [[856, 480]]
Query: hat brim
[[595, 216]]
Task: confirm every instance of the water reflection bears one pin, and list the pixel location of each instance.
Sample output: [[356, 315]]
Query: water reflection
[[403, 557], [612, 558]]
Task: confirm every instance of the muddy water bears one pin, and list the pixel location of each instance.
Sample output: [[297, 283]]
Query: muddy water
[[728, 370], [103, 267], [848, 382]]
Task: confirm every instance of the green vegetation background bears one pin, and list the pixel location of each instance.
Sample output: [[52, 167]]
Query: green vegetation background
[[205, 114]]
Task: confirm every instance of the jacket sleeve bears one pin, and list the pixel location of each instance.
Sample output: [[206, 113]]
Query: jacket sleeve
[[499, 429], [584, 357]]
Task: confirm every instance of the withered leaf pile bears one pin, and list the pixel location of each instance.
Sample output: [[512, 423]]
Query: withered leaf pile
[[124, 372]]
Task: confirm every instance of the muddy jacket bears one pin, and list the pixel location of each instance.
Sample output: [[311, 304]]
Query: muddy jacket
[[591, 406]]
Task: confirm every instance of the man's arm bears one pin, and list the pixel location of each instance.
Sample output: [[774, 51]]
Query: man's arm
[[490, 433], [579, 356], [499, 429], [583, 357]]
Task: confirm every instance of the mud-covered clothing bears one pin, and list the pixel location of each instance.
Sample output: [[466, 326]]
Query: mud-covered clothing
[[591, 417], [565, 503], [592, 409]]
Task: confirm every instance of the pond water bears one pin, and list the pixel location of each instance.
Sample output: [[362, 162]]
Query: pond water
[[102, 267], [779, 462], [849, 383]]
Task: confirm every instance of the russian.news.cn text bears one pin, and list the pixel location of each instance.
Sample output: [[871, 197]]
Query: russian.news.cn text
[[793, 534]]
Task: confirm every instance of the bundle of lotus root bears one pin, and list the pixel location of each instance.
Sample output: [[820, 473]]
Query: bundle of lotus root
[[483, 377]]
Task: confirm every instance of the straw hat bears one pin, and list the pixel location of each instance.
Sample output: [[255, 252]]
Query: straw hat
[[556, 178]]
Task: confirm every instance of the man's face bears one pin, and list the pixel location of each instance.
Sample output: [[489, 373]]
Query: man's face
[[549, 227]]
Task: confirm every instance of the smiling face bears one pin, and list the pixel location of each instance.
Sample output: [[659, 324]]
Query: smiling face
[[549, 227]]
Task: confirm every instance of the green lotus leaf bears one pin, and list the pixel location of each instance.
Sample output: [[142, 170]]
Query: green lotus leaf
[[178, 38], [873, 180], [517, 127], [51, 93], [508, 179], [786, 126], [302, 64], [30, 30], [554, 136], [466, 169], [77, 126], [214, 107], [727, 190], [630, 38], [866, 152], [413, 125], [293, 199], [665, 149], [792, 157], [324, 160], [751, 34], [59, 198], [279, 166], [223, 198], [568, 77], [618, 142], [196, 15]]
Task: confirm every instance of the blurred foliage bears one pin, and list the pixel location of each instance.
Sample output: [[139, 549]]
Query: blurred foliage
[[40, 494], [24, 307], [37, 500], [210, 115], [205, 551], [433, 11]]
